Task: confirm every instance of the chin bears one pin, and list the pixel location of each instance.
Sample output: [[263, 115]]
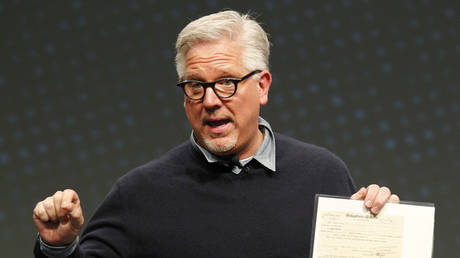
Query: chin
[[219, 145]]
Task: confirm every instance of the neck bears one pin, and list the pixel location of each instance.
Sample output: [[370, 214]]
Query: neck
[[252, 147]]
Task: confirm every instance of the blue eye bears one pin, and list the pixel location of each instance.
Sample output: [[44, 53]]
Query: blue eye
[[195, 85], [228, 82]]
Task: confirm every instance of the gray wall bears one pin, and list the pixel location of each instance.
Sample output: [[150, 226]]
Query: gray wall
[[87, 93]]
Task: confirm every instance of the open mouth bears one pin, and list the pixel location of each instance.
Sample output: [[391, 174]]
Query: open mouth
[[217, 123]]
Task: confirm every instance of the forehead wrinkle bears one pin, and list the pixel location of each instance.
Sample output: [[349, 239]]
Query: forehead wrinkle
[[198, 72], [217, 57], [219, 65]]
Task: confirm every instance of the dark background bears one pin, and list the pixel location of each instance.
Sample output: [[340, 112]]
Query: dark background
[[87, 93]]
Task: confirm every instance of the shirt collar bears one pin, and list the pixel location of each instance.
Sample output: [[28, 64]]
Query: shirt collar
[[265, 155]]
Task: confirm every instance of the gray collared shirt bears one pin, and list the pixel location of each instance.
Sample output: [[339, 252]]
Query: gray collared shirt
[[265, 155]]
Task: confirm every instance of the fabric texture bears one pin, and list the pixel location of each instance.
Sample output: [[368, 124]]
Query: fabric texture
[[182, 206]]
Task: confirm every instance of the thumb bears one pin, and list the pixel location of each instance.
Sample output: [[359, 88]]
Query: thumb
[[71, 204], [74, 213], [76, 217]]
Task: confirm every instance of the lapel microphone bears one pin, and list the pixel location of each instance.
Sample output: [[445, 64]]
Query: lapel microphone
[[235, 160]]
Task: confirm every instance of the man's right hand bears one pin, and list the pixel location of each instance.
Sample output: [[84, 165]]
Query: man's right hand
[[59, 218]]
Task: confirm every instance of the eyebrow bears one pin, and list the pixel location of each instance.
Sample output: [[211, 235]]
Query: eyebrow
[[197, 77]]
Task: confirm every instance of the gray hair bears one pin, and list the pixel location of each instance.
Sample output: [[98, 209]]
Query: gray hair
[[226, 24]]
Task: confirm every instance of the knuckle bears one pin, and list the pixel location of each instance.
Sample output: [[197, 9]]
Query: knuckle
[[385, 189], [48, 205], [69, 190], [37, 206], [374, 186], [58, 194], [40, 213], [36, 212], [69, 193]]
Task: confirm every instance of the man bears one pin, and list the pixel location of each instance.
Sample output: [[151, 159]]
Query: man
[[235, 189]]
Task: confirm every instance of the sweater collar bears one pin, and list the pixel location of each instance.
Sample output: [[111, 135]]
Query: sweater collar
[[265, 155]]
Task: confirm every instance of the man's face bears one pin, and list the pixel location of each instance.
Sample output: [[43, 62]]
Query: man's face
[[225, 126]]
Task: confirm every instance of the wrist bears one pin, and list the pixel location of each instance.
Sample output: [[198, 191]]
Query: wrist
[[55, 240], [57, 250]]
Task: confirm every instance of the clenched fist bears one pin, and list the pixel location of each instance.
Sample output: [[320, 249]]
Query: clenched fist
[[59, 218]]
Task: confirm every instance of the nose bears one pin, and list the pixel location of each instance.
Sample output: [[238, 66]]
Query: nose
[[211, 101]]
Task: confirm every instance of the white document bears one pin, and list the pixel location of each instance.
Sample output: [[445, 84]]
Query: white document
[[344, 228]]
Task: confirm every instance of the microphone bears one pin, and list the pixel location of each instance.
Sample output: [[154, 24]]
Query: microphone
[[235, 160]]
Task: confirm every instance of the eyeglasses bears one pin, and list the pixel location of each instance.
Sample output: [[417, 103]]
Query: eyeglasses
[[223, 88]]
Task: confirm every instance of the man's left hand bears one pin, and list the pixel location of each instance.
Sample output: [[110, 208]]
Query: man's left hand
[[375, 197]]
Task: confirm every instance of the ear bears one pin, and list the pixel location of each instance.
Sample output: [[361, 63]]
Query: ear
[[264, 85]]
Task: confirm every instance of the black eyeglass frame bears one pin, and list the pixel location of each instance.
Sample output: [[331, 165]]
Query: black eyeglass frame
[[205, 85]]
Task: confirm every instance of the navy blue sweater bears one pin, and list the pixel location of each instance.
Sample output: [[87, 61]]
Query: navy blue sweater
[[182, 206]]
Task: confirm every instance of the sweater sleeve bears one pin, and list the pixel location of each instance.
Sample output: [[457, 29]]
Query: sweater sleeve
[[106, 234]]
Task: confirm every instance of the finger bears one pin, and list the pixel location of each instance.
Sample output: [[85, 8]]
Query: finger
[[60, 213], [382, 197], [71, 202], [394, 199], [48, 204], [76, 217], [359, 195], [39, 213], [69, 199], [372, 191]]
